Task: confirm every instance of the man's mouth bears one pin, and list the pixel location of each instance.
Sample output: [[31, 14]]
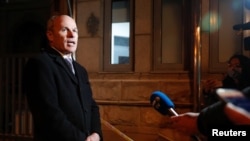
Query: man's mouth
[[71, 42]]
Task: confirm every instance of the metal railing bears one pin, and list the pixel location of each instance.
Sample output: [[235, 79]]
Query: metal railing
[[15, 118]]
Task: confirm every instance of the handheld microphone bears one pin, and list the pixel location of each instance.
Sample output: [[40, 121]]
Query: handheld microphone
[[162, 103]]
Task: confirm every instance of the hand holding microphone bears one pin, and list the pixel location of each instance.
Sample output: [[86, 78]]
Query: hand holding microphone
[[162, 103]]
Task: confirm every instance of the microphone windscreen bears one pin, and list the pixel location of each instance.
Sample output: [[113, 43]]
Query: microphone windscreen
[[161, 102]]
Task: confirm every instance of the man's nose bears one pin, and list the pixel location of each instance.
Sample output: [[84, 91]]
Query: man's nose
[[71, 34]]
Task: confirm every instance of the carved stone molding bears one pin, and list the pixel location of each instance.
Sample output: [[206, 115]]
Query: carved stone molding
[[92, 24]]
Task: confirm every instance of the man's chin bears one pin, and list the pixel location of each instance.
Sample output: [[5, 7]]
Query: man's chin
[[71, 49], [69, 52]]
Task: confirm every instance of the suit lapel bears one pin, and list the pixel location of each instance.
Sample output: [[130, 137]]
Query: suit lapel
[[61, 62]]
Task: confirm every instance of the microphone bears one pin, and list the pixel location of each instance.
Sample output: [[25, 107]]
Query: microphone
[[244, 26], [162, 103]]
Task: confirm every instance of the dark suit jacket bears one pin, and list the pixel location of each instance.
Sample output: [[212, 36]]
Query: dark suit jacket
[[61, 103]]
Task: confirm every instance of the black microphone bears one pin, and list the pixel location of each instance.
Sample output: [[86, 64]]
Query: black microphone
[[244, 26], [162, 103]]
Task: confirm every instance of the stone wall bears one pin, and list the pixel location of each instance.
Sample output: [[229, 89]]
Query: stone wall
[[124, 97]]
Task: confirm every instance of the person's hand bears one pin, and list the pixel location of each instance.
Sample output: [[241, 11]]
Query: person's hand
[[186, 123], [237, 115], [93, 137], [211, 85]]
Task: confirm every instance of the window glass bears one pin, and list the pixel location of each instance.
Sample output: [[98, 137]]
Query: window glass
[[120, 32], [172, 31], [173, 35]]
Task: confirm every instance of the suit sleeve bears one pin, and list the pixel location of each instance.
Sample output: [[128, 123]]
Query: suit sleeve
[[212, 117]]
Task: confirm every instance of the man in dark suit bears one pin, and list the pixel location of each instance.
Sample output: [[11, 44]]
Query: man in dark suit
[[59, 95]]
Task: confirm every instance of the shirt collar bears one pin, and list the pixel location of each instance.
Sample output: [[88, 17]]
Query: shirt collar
[[63, 55]]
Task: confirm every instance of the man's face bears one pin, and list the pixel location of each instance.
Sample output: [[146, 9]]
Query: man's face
[[234, 68], [64, 35]]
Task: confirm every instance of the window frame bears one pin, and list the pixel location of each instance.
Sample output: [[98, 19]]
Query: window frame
[[107, 66], [215, 66], [186, 40]]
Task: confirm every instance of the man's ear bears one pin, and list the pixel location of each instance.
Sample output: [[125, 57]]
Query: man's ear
[[49, 35]]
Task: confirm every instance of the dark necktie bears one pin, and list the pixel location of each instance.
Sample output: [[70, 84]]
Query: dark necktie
[[70, 64]]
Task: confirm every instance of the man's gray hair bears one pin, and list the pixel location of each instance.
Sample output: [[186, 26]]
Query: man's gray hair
[[50, 23]]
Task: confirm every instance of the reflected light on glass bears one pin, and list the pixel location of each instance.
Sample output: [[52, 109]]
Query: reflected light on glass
[[211, 22], [236, 4]]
